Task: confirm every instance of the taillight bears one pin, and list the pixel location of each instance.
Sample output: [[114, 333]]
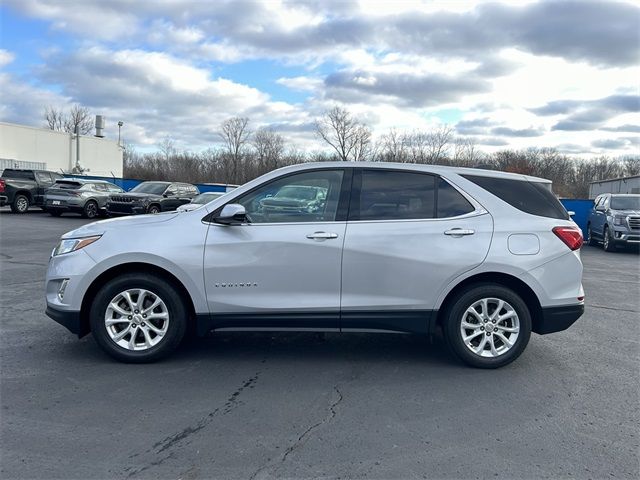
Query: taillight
[[2, 185], [571, 236]]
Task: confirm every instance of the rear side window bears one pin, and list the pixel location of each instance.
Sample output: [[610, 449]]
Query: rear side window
[[530, 197], [390, 195], [22, 174], [451, 203], [67, 185]]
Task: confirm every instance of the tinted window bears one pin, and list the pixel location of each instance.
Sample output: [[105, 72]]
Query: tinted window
[[150, 187], [303, 197], [43, 177], [99, 187], [113, 188], [56, 176], [10, 173], [67, 185], [451, 203], [389, 195], [530, 197]]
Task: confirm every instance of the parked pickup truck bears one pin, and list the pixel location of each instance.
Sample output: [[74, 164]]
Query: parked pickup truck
[[24, 188]]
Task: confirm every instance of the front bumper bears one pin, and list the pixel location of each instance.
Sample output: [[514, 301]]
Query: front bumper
[[556, 319], [69, 319], [125, 209], [626, 237]]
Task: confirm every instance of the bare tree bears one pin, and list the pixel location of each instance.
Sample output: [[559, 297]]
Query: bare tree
[[362, 148], [167, 148], [348, 137], [235, 135], [77, 116], [54, 118], [269, 147]]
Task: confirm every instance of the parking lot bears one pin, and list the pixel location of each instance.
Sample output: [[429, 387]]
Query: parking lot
[[304, 406]]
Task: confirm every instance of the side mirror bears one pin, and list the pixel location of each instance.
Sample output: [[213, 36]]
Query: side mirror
[[232, 214], [600, 208], [168, 194]]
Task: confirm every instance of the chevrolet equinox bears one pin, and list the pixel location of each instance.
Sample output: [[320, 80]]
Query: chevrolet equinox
[[488, 257]]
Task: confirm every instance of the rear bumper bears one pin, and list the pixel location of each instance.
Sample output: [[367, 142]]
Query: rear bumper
[[556, 319], [69, 319], [3, 200]]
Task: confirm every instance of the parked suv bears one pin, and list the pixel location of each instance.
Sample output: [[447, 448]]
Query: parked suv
[[487, 256], [21, 188], [86, 197], [151, 197], [614, 221]]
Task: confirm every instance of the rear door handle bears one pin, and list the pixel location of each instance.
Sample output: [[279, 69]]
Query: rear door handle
[[322, 235], [459, 232]]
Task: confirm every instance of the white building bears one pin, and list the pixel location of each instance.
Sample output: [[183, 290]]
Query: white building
[[615, 185], [41, 148]]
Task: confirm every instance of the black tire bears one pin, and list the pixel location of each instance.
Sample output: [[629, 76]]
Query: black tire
[[608, 243], [177, 310], [90, 209], [20, 204], [590, 240], [455, 313], [54, 213], [153, 209]]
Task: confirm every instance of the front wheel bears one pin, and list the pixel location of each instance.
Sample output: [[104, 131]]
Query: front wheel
[[138, 318], [153, 209], [607, 241], [487, 326], [590, 240]]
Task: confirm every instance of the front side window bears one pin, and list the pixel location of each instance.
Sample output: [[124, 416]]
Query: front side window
[[392, 195], [43, 177], [303, 197]]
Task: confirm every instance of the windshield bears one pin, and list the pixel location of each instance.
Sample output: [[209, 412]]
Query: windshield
[[205, 198], [625, 203], [150, 187], [300, 193]]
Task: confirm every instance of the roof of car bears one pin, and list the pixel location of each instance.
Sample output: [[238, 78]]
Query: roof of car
[[437, 169], [81, 180]]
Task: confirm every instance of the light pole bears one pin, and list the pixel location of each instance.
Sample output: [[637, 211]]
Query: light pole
[[119, 127]]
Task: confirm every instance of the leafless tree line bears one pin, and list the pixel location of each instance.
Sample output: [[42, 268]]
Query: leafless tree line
[[247, 154]]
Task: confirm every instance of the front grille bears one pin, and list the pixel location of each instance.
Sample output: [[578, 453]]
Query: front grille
[[120, 208], [121, 199], [634, 223]]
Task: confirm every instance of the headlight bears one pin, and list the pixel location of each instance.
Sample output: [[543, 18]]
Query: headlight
[[69, 245], [619, 220]]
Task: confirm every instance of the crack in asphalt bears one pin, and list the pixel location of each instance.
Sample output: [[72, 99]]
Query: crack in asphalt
[[611, 308], [172, 441], [302, 438]]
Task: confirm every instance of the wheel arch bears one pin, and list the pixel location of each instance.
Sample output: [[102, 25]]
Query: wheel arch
[[26, 193], [504, 279], [132, 267]]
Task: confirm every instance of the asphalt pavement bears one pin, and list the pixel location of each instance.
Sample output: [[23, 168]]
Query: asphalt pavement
[[266, 405]]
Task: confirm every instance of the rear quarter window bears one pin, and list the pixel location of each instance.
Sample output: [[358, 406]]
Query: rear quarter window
[[535, 198]]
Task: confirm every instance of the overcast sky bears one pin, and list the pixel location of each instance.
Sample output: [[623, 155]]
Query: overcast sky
[[507, 75]]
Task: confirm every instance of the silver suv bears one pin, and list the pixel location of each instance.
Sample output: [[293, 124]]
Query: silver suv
[[486, 256]]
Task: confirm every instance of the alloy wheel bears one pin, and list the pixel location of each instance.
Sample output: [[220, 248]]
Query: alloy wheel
[[22, 204], [136, 319], [490, 327]]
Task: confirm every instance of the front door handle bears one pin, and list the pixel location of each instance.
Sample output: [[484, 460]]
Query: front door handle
[[459, 232], [322, 235]]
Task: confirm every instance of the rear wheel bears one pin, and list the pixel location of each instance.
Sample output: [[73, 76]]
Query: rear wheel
[[90, 209], [138, 318], [487, 326], [20, 204], [607, 241]]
